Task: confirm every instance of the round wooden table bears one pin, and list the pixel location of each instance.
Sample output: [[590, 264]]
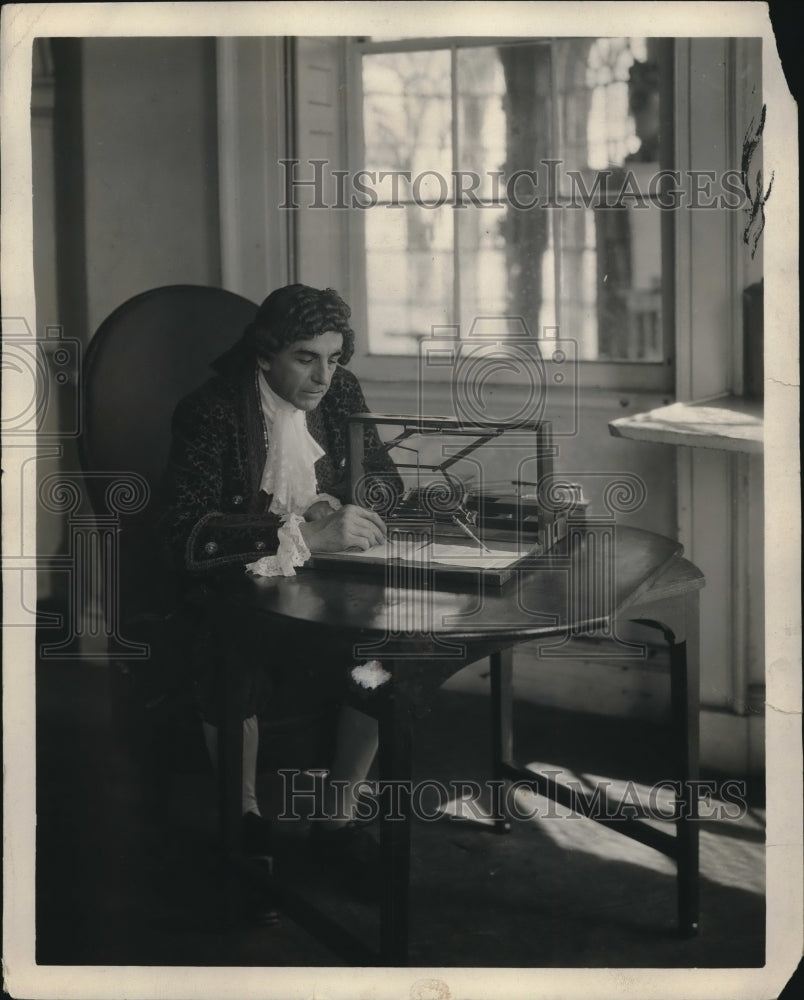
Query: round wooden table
[[424, 628]]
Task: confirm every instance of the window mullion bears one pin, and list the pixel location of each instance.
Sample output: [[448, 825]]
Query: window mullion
[[456, 252], [557, 146], [356, 219]]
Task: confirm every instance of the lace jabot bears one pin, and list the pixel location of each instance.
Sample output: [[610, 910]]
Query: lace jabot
[[289, 474]]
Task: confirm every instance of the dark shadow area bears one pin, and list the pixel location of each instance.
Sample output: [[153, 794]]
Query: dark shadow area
[[123, 879]]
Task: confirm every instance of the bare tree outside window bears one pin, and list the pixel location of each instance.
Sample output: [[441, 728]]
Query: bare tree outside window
[[515, 118]]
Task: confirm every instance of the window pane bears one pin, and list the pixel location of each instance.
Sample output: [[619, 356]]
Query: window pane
[[588, 106], [409, 275], [504, 128], [608, 110], [608, 102], [507, 266], [407, 113], [504, 114], [611, 283]]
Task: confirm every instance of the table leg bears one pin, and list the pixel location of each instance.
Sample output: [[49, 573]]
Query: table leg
[[685, 697], [502, 733], [678, 620], [394, 775]]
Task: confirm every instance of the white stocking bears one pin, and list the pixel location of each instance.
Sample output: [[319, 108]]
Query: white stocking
[[355, 748], [251, 743]]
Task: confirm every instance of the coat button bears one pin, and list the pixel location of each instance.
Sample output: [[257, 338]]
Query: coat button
[[259, 546], [211, 548], [237, 499]]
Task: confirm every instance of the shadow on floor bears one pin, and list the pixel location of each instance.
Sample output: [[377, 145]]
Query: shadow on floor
[[120, 882]]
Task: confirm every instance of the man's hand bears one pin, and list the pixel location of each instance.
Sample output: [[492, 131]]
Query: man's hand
[[350, 527], [318, 511]]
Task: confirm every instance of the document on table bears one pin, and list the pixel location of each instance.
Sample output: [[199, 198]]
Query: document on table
[[471, 555], [389, 549], [445, 555]]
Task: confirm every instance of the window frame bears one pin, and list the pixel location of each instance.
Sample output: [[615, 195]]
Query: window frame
[[647, 376]]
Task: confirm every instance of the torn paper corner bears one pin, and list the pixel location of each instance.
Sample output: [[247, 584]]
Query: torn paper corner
[[370, 675]]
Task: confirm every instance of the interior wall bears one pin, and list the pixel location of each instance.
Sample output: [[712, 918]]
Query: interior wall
[[720, 492], [44, 249], [44, 188], [125, 200], [150, 167]]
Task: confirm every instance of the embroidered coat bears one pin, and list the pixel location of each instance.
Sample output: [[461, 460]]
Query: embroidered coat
[[216, 515], [217, 519]]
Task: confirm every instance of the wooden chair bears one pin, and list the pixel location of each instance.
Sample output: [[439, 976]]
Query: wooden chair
[[145, 357], [149, 353]]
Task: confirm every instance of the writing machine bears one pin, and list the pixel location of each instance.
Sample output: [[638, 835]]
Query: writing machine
[[467, 498]]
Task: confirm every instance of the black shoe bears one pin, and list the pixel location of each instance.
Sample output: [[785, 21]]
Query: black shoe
[[258, 891], [352, 853], [258, 897], [256, 838]]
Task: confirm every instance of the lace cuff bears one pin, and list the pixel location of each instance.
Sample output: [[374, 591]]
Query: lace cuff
[[334, 502], [292, 551]]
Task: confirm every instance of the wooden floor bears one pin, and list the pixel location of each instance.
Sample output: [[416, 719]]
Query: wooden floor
[[120, 882]]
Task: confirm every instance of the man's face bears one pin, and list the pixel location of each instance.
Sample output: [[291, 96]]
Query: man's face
[[302, 371]]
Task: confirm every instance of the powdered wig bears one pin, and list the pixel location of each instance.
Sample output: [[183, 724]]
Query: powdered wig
[[298, 312]]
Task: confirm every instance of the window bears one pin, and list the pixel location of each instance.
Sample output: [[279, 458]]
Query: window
[[513, 179]]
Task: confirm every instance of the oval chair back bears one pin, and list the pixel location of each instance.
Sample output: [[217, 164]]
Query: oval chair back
[[147, 355]]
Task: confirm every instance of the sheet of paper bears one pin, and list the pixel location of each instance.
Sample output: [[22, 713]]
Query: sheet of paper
[[388, 550], [471, 555], [444, 555]]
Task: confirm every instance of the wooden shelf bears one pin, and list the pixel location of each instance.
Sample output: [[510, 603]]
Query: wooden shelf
[[728, 423]]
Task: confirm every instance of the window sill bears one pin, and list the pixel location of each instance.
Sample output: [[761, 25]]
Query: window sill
[[727, 423], [606, 376], [406, 395]]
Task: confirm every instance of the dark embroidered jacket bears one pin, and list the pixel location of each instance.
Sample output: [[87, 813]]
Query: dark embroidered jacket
[[216, 515]]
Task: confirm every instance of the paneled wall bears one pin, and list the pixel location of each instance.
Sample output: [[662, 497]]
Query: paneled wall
[[150, 167], [720, 493], [133, 167], [125, 195]]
